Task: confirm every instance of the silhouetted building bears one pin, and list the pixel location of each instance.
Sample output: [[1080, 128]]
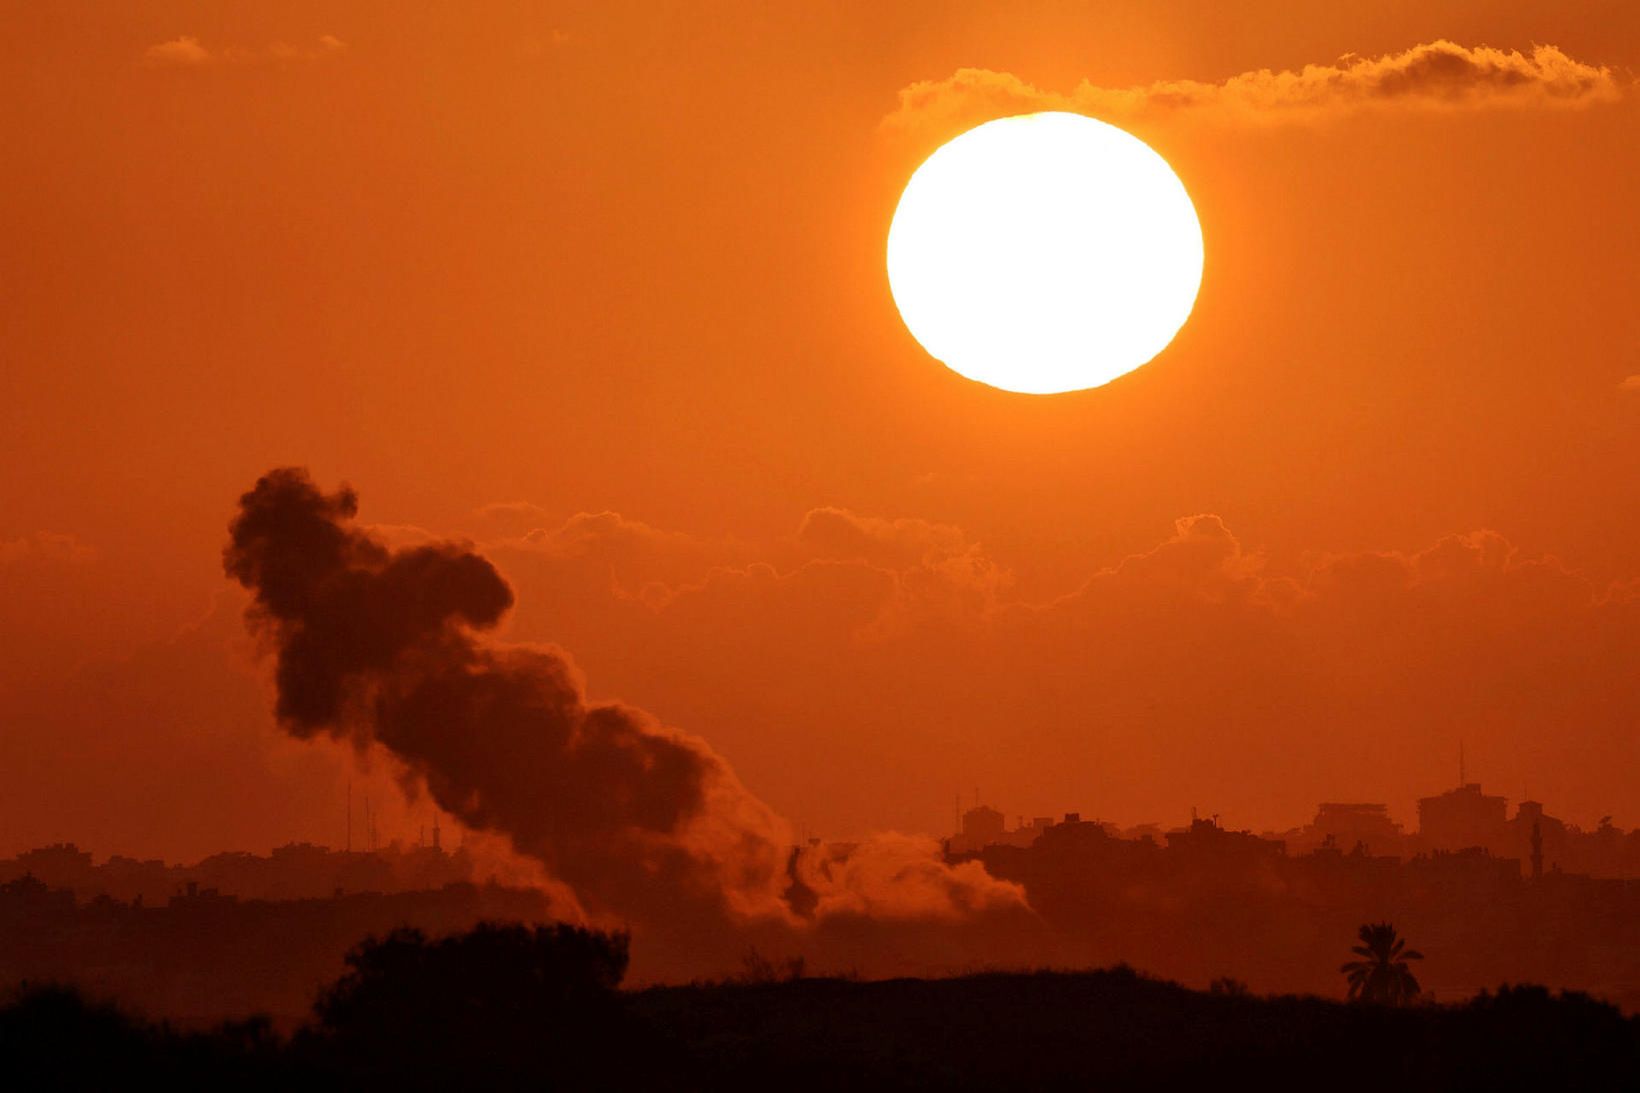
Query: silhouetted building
[[1352, 825], [1461, 818], [984, 826], [1347, 828], [292, 871], [1472, 870], [1207, 837]]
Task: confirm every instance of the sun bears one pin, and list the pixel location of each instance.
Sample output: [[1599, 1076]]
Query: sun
[[1045, 253]]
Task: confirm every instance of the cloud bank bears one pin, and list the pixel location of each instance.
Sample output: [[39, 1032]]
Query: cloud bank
[[1439, 75], [897, 653]]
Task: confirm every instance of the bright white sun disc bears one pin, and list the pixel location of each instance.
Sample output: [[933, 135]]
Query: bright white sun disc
[[1044, 253]]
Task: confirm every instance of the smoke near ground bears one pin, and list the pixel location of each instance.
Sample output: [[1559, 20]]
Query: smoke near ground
[[643, 822]]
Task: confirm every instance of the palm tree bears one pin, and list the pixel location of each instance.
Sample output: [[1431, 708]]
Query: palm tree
[[1382, 975]]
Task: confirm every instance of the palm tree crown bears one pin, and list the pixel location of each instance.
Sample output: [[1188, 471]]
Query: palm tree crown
[[1382, 974]]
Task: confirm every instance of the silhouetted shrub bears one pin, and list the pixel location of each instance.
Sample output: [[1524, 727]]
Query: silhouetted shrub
[[513, 1003], [757, 968], [53, 1037], [1555, 1039]]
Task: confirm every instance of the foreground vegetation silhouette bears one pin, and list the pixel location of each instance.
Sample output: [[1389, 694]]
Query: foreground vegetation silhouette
[[1382, 974], [514, 1002], [508, 1006]]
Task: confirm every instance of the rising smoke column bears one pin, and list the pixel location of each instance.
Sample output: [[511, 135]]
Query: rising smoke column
[[644, 823], [384, 646]]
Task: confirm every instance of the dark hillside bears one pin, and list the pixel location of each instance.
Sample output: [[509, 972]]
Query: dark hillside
[[515, 1007], [1117, 1028]]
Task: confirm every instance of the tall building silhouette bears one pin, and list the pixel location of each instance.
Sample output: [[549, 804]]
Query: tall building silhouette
[[1461, 818]]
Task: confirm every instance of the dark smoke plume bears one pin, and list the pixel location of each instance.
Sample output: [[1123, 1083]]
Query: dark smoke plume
[[382, 646]]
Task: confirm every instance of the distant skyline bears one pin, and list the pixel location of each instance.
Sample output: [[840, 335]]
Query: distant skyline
[[491, 854]]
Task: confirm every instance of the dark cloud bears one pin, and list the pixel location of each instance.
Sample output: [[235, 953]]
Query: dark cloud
[[385, 647], [382, 646]]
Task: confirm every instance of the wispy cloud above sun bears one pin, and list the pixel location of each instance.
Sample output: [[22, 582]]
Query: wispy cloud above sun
[[1439, 75], [186, 51]]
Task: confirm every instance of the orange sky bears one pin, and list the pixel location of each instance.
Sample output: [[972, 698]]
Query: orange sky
[[500, 268]]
